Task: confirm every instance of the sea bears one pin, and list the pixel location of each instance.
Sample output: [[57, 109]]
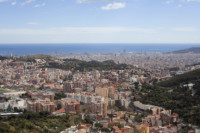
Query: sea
[[63, 49]]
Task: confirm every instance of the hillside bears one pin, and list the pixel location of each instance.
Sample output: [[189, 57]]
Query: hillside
[[189, 50], [173, 95], [4, 57], [184, 78], [41, 122], [32, 58], [74, 64]]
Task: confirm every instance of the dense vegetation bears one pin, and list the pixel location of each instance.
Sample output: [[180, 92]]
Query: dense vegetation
[[59, 96], [184, 78], [74, 64], [171, 94], [4, 57], [41, 122]]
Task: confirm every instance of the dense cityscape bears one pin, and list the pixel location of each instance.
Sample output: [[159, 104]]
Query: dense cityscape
[[91, 98]]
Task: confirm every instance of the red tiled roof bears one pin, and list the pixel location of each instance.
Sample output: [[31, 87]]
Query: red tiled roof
[[61, 110]]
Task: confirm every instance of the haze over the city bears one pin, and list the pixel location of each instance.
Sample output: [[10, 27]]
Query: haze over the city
[[99, 21]]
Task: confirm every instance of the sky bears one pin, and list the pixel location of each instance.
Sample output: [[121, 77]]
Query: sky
[[99, 21]]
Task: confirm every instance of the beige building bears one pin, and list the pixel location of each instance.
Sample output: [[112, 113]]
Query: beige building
[[43, 104], [99, 108]]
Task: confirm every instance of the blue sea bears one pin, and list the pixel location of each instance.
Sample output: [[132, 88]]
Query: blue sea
[[61, 49]]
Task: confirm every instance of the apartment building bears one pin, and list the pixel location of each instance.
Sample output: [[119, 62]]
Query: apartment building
[[99, 108], [42, 104], [72, 107]]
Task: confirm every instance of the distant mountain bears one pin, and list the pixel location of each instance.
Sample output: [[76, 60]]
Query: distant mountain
[[189, 50]]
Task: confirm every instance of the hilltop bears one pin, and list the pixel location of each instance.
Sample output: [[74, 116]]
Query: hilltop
[[75, 64], [32, 58], [70, 64], [189, 50], [4, 57], [179, 79]]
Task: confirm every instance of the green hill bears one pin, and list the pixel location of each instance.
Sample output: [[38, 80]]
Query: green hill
[[189, 50], [4, 57], [184, 78], [32, 58], [42, 122], [171, 94], [74, 64]]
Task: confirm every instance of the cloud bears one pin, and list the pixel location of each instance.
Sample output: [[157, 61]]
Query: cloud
[[13, 3], [3, 0], [33, 23], [185, 29], [180, 2], [40, 5], [169, 2], [27, 2], [75, 30], [180, 5], [113, 6], [188, 1], [96, 35], [84, 1], [192, 0]]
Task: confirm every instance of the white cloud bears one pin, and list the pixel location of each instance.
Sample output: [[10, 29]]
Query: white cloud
[[40, 5], [73, 34], [180, 5], [185, 29], [84, 1], [168, 2], [180, 2], [33, 23], [27, 2], [113, 6], [188, 1], [3, 0], [97, 35], [13, 3], [75, 30], [192, 0]]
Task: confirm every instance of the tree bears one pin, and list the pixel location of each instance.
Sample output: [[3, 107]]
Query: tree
[[44, 113], [105, 130], [59, 106], [88, 120], [136, 85], [111, 116], [138, 118], [59, 96], [98, 125]]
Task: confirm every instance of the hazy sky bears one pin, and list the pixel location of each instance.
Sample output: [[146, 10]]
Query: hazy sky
[[99, 21]]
